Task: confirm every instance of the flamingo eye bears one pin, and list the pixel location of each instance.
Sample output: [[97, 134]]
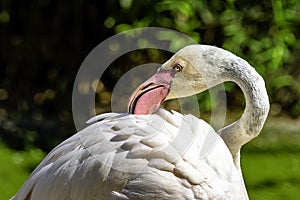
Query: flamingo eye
[[178, 67]]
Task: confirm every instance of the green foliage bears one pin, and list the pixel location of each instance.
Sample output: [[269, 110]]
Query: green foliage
[[52, 41], [266, 33]]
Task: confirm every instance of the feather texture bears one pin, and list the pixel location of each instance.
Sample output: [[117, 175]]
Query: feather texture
[[159, 156]]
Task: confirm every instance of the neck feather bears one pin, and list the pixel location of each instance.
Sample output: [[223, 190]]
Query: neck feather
[[250, 124]]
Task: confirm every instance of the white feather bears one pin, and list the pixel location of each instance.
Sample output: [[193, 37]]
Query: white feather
[[93, 164]]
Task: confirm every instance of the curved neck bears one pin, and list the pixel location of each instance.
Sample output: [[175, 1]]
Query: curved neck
[[250, 124]]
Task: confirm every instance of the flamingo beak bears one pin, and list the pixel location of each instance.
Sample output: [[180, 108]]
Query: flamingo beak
[[147, 98]]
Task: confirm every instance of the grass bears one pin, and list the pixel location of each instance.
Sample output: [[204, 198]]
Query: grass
[[15, 168], [270, 164], [272, 176]]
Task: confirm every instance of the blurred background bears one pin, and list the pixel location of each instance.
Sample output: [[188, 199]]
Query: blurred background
[[44, 42]]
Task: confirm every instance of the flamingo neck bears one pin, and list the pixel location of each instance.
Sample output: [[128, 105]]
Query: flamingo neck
[[252, 120]]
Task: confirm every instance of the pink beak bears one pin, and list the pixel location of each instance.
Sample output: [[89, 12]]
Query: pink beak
[[147, 98]]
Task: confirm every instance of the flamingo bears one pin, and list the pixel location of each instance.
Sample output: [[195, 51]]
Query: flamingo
[[152, 153]]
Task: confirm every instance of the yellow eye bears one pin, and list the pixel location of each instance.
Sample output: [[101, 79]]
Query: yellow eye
[[178, 67]]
